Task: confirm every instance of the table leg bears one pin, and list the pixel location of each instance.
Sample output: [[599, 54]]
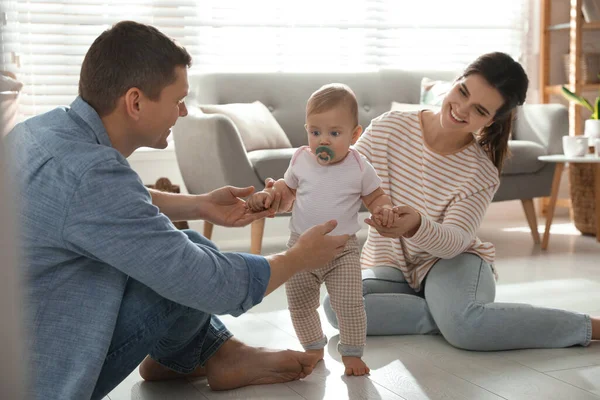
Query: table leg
[[552, 204], [597, 196]]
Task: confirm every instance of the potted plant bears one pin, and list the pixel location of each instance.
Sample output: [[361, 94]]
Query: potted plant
[[592, 125], [582, 174]]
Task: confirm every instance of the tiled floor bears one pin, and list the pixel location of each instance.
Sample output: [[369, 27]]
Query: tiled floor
[[426, 367]]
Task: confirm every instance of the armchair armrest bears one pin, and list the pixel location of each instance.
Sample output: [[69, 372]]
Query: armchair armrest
[[545, 124], [210, 153]]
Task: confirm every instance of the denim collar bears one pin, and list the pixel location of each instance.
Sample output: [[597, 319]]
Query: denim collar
[[88, 115]]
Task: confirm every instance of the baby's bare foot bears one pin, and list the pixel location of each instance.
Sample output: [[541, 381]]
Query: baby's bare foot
[[355, 366], [317, 354]]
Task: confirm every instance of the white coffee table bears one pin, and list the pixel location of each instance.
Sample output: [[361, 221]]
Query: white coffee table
[[561, 160]]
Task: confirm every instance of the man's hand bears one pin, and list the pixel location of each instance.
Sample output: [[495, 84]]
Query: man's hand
[[405, 223], [313, 250], [316, 248], [225, 207]]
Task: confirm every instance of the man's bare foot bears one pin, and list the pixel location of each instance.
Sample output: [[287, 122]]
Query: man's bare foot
[[355, 366], [235, 365], [317, 354], [150, 370]]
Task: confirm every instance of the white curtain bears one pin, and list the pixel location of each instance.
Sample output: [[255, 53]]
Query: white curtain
[[44, 41]]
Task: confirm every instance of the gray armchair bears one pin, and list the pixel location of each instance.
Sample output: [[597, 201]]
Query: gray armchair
[[211, 153]]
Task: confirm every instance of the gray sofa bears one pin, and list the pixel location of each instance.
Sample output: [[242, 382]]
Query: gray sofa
[[211, 154]]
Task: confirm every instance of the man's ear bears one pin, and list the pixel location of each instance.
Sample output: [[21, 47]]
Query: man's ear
[[356, 134], [133, 103]]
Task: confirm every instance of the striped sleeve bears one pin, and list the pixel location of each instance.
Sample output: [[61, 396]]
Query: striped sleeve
[[457, 232]]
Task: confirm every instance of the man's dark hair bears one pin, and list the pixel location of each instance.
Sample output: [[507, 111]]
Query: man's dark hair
[[129, 55]]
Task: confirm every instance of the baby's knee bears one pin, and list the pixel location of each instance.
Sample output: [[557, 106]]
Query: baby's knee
[[329, 313], [347, 304]]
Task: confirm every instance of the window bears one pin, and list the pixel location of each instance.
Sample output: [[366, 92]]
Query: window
[[44, 41]]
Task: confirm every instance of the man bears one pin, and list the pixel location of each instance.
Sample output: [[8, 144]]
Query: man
[[109, 278]]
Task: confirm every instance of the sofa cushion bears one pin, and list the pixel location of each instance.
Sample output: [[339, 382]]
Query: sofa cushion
[[255, 123], [270, 163], [523, 158]]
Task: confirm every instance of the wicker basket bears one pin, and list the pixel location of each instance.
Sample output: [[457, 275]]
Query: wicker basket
[[581, 185], [590, 67]]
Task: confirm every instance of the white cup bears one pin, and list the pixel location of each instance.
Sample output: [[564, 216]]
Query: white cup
[[575, 146], [597, 147]]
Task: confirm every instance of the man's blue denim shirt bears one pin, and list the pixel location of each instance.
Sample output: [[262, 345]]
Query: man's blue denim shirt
[[87, 225]]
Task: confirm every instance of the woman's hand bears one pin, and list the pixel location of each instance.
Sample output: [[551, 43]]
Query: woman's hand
[[405, 223]]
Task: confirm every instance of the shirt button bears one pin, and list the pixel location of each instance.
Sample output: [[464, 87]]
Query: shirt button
[[367, 108]]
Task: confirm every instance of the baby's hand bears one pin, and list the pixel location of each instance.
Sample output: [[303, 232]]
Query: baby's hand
[[260, 201], [385, 215]]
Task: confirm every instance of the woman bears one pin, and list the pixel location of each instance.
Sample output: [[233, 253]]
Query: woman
[[430, 273]]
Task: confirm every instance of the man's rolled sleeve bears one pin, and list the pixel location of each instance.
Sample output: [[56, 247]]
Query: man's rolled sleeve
[[259, 272]]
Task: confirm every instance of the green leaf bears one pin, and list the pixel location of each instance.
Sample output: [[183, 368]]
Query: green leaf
[[596, 114], [578, 99]]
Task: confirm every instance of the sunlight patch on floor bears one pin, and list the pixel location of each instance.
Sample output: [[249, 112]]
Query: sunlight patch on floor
[[555, 229]]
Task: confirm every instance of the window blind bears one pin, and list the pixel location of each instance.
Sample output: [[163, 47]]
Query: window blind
[[44, 41]]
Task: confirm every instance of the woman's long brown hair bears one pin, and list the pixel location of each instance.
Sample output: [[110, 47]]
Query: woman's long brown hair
[[509, 78]]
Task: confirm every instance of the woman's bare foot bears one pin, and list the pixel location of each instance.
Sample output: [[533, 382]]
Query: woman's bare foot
[[595, 328], [235, 365], [317, 354], [150, 370], [355, 366]]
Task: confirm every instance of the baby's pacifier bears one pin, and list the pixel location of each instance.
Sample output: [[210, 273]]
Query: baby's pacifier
[[324, 154]]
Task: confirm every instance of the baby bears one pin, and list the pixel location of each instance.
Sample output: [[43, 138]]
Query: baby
[[329, 180]]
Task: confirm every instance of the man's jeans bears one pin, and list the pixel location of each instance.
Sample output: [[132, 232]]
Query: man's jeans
[[174, 335]]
